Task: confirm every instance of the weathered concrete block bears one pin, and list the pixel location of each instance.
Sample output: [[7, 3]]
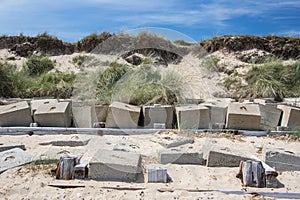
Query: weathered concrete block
[[219, 158], [115, 166], [35, 104], [58, 115], [290, 116], [270, 117], [217, 114], [158, 114], [126, 146], [156, 174], [172, 140], [8, 146], [121, 115], [192, 117], [282, 160], [53, 154], [178, 156], [81, 170], [101, 112], [13, 158], [84, 116], [243, 116], [16, 114]]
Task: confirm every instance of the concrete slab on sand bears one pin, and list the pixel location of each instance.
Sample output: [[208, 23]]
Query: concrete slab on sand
[[282, 160], [115, 166], [56, 115], [181, 156], [122, 115], [220, 156], [290, 116], [8, 146], [158, 114], [16, 114], [243, 116], [171, 140], [193, 117], [13, 158], [52, 155]]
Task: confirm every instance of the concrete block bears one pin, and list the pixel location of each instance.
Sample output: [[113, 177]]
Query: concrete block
[[290, 116], [171, 140], [243, 116], [282, 160], [270, 117], [53, 155], [81, 170], [13, 158], [101, 112], [16, 114], [156, 174], [126, 146], [84, 116], [178, 156], [121, 115], [217, 114], [35, 104], [56, 115], [158, 114], [222, 158], [115, 166], [8, 146], [193, 117]]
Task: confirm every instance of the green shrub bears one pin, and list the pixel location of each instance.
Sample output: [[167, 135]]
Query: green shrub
[[275, 80], [37, 65]]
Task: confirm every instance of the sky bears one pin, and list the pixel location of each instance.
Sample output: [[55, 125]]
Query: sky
[[71, 20]]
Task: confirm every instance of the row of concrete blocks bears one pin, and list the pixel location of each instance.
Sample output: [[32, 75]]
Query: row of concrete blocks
[[203, 116], [223, 114], [126, 166]]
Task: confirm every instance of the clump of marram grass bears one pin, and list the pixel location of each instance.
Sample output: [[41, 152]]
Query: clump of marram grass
[[274, 79]]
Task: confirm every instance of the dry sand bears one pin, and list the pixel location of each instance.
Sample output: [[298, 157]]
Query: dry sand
[[31, 181]]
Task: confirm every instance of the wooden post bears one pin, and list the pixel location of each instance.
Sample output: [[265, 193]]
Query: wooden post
[[252, 174], [66, 167], [258, 172], [247, 173]]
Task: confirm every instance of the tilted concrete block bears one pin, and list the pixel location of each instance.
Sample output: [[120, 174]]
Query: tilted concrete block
[[172, 140], [217, 114], [16, 114], [270, 117], [158, 114], [193, 117], [13, 158], [156, 174], [178, 156], [290, 116], [36, 103], [84, 116], [8, 146], [219, 158], [115, 166], [243, 116], [53, 115], [121, 115], [282, 160]]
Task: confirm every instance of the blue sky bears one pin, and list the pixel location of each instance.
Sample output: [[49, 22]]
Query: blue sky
[[71, 20]]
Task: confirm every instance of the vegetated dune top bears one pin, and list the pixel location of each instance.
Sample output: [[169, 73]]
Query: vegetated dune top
[[280, 46]]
